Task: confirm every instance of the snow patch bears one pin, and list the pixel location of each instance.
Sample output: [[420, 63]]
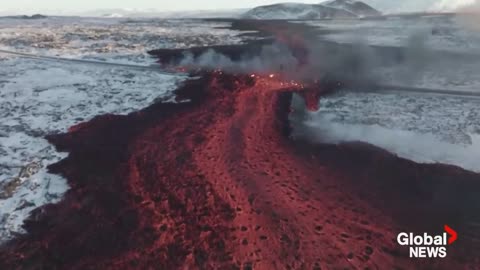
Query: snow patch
[[41, 98], [38, 98], [422, 148], [422, 127], [297, 11]]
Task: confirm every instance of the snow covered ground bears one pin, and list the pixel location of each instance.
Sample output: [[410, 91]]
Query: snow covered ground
[[422, 127], [426, 39], [332, 9], [44, 97], [109, 39], [450, 33]]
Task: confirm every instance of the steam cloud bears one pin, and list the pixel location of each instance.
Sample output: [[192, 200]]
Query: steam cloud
[[355, 64], [422, 148], [272, 58]]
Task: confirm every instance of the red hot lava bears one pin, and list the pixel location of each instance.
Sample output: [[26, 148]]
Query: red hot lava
[[216, 183]]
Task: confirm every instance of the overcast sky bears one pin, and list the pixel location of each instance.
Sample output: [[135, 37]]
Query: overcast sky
[[39, 6], [161, 5]]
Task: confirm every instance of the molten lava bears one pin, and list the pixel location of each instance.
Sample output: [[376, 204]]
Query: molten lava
[[217, 183]]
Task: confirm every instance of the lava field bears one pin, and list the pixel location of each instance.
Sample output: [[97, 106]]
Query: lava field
[[216, 181]]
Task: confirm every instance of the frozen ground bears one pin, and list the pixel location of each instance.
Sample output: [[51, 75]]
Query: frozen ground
[[450, 33], [39, 98], [423, 128], [425, 39], [113, 39]]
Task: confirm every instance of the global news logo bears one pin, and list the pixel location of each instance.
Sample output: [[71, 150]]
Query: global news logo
[[428, 246]]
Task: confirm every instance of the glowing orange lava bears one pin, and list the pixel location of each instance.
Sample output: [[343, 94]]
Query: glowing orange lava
[[216, 183]]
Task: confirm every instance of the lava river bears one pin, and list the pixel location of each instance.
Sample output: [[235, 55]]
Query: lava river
[[217, 182]]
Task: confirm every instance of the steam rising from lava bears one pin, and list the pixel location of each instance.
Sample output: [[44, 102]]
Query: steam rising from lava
[[356, 64], [272, 58]]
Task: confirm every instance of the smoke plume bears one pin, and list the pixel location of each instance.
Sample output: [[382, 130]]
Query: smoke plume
[[353, 64], [272, 58]]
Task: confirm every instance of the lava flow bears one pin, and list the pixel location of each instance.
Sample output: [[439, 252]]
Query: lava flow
[[216, 182], [212, 183]]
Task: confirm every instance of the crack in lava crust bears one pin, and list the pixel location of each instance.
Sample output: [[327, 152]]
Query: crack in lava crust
[[216, 183]]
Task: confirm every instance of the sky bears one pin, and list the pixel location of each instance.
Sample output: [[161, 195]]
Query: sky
[[80, 6], [160, 5]]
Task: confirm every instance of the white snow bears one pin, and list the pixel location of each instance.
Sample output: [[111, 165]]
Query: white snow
[[41, 98], [110, 39], [334, 9], [404, 6], [422, 37], [425, 128], [38, 98], [296, 11], [421, 127], [437, 32], [352, 6]]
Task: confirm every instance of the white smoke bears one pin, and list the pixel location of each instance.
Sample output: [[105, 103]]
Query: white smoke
[[455, 5], [358, 64], [272, 58], [422, 148]]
